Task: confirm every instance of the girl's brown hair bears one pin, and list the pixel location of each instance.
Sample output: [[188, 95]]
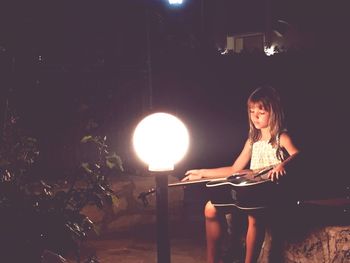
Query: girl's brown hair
[[268, 98]]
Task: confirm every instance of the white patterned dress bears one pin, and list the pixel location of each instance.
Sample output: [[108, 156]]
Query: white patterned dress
[[264, 154]]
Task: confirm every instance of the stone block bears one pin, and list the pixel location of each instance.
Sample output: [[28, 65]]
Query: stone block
[[311, 234]]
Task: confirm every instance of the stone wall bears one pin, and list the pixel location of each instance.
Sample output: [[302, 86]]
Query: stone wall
[[130, 211]]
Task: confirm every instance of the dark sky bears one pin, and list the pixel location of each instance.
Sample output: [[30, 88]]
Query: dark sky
[[75, 25]]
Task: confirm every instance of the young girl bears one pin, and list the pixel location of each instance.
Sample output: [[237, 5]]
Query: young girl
[[267, 145]]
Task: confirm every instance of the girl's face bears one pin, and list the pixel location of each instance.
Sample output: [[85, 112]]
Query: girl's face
[[259, 116]]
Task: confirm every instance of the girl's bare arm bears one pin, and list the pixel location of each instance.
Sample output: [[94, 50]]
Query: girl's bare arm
[[239, 164], [286, 143]]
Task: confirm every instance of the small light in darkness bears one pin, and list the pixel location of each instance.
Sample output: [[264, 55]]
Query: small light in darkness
[[269, 51], [175, 2]]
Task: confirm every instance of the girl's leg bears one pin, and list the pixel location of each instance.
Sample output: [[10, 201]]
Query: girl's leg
[[254, 239], [236, 226], [213, 233]]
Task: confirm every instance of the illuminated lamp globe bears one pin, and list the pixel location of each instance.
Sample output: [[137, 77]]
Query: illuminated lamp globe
[[161, 140]]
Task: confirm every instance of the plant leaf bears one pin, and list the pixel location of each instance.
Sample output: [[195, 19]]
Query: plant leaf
[[113, 160], [86, 138]]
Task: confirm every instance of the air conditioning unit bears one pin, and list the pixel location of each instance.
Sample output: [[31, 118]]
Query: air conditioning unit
[[248, 42]]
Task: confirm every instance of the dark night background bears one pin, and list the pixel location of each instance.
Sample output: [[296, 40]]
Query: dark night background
[[65, 62]]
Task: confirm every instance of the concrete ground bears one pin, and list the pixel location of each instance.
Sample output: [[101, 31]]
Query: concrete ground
[[187, 245]]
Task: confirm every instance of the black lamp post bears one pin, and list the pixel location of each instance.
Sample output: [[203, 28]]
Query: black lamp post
[[161, 140], [163, 243]]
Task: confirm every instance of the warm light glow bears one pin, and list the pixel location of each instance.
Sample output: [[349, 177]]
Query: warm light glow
[[161, 140], [175, 2]]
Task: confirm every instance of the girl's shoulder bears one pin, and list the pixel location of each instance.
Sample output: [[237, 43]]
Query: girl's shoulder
[[282, 133], [248, 143], [284, 138]]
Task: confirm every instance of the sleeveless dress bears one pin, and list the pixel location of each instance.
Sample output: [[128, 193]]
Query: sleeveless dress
[[264, 154]]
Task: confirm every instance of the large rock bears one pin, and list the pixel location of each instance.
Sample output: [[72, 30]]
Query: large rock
[[312, 234], [319, 244]]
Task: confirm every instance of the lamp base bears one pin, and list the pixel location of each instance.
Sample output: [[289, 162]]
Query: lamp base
[[163, 244], [161, 168]]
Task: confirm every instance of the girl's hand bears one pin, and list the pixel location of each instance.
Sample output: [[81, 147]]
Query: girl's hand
[[277, 172], [192, 175]]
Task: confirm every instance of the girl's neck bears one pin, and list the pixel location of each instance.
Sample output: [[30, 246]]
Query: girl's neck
[[265, 134]]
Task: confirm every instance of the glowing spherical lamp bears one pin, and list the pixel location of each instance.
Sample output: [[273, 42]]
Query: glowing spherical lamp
[[161, 140]]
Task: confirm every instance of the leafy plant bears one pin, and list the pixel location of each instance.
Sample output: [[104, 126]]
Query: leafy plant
[[41, 216]]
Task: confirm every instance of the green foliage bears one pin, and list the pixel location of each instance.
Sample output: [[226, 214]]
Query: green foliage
[[38, 216], [17, 152]]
